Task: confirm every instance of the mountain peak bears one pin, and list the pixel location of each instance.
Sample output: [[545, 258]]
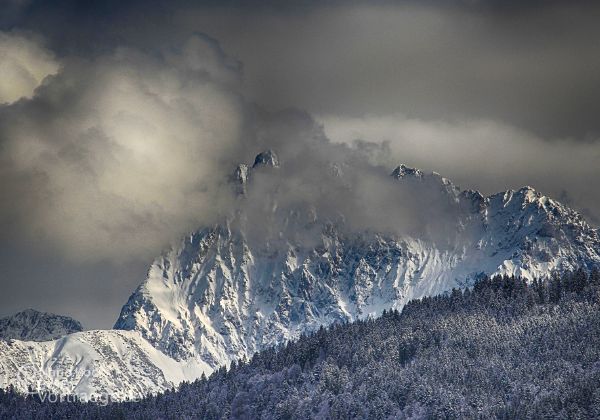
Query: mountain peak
[[403, 170], [239, 178], [266, 158], [32, 325]]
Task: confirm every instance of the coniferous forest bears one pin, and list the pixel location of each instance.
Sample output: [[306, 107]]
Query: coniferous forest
[[503, 349]]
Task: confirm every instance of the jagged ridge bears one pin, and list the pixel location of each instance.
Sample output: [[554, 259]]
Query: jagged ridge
[[217, 297]]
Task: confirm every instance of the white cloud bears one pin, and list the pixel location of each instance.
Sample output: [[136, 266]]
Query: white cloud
[[481, 154], [124, 152], [24, 64]]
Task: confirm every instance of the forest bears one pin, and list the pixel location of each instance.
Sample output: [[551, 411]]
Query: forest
[[505, 348]]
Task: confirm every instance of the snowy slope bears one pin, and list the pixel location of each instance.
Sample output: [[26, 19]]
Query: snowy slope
[[32, 325], [218, 296], [95, 364]]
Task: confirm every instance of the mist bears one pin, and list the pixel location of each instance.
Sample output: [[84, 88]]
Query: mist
[[482, 155]]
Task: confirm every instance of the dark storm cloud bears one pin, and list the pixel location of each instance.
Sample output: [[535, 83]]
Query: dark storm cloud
[[533, 64], [536, 69], [148, 105]]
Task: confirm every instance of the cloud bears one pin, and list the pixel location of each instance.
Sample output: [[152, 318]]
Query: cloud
[[480, 154], [532, 66], [116, 155], [24, 64], [120, 154], [319, 182]]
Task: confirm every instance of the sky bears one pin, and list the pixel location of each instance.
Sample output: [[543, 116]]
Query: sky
[[121, 122]]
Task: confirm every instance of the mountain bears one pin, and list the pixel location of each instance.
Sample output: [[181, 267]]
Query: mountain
[[220, 296], [32, 325], [92, 364], [227, 291]]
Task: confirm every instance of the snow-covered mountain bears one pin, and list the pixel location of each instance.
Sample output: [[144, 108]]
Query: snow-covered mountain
[[221, 294], [92, 364], [218, 296], [32, 325]]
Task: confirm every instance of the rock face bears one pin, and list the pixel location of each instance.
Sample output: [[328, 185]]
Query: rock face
[[267, 158], [32, 325], [218, 296]]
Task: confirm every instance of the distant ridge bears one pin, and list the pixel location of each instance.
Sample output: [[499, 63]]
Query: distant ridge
[[32, 325]]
